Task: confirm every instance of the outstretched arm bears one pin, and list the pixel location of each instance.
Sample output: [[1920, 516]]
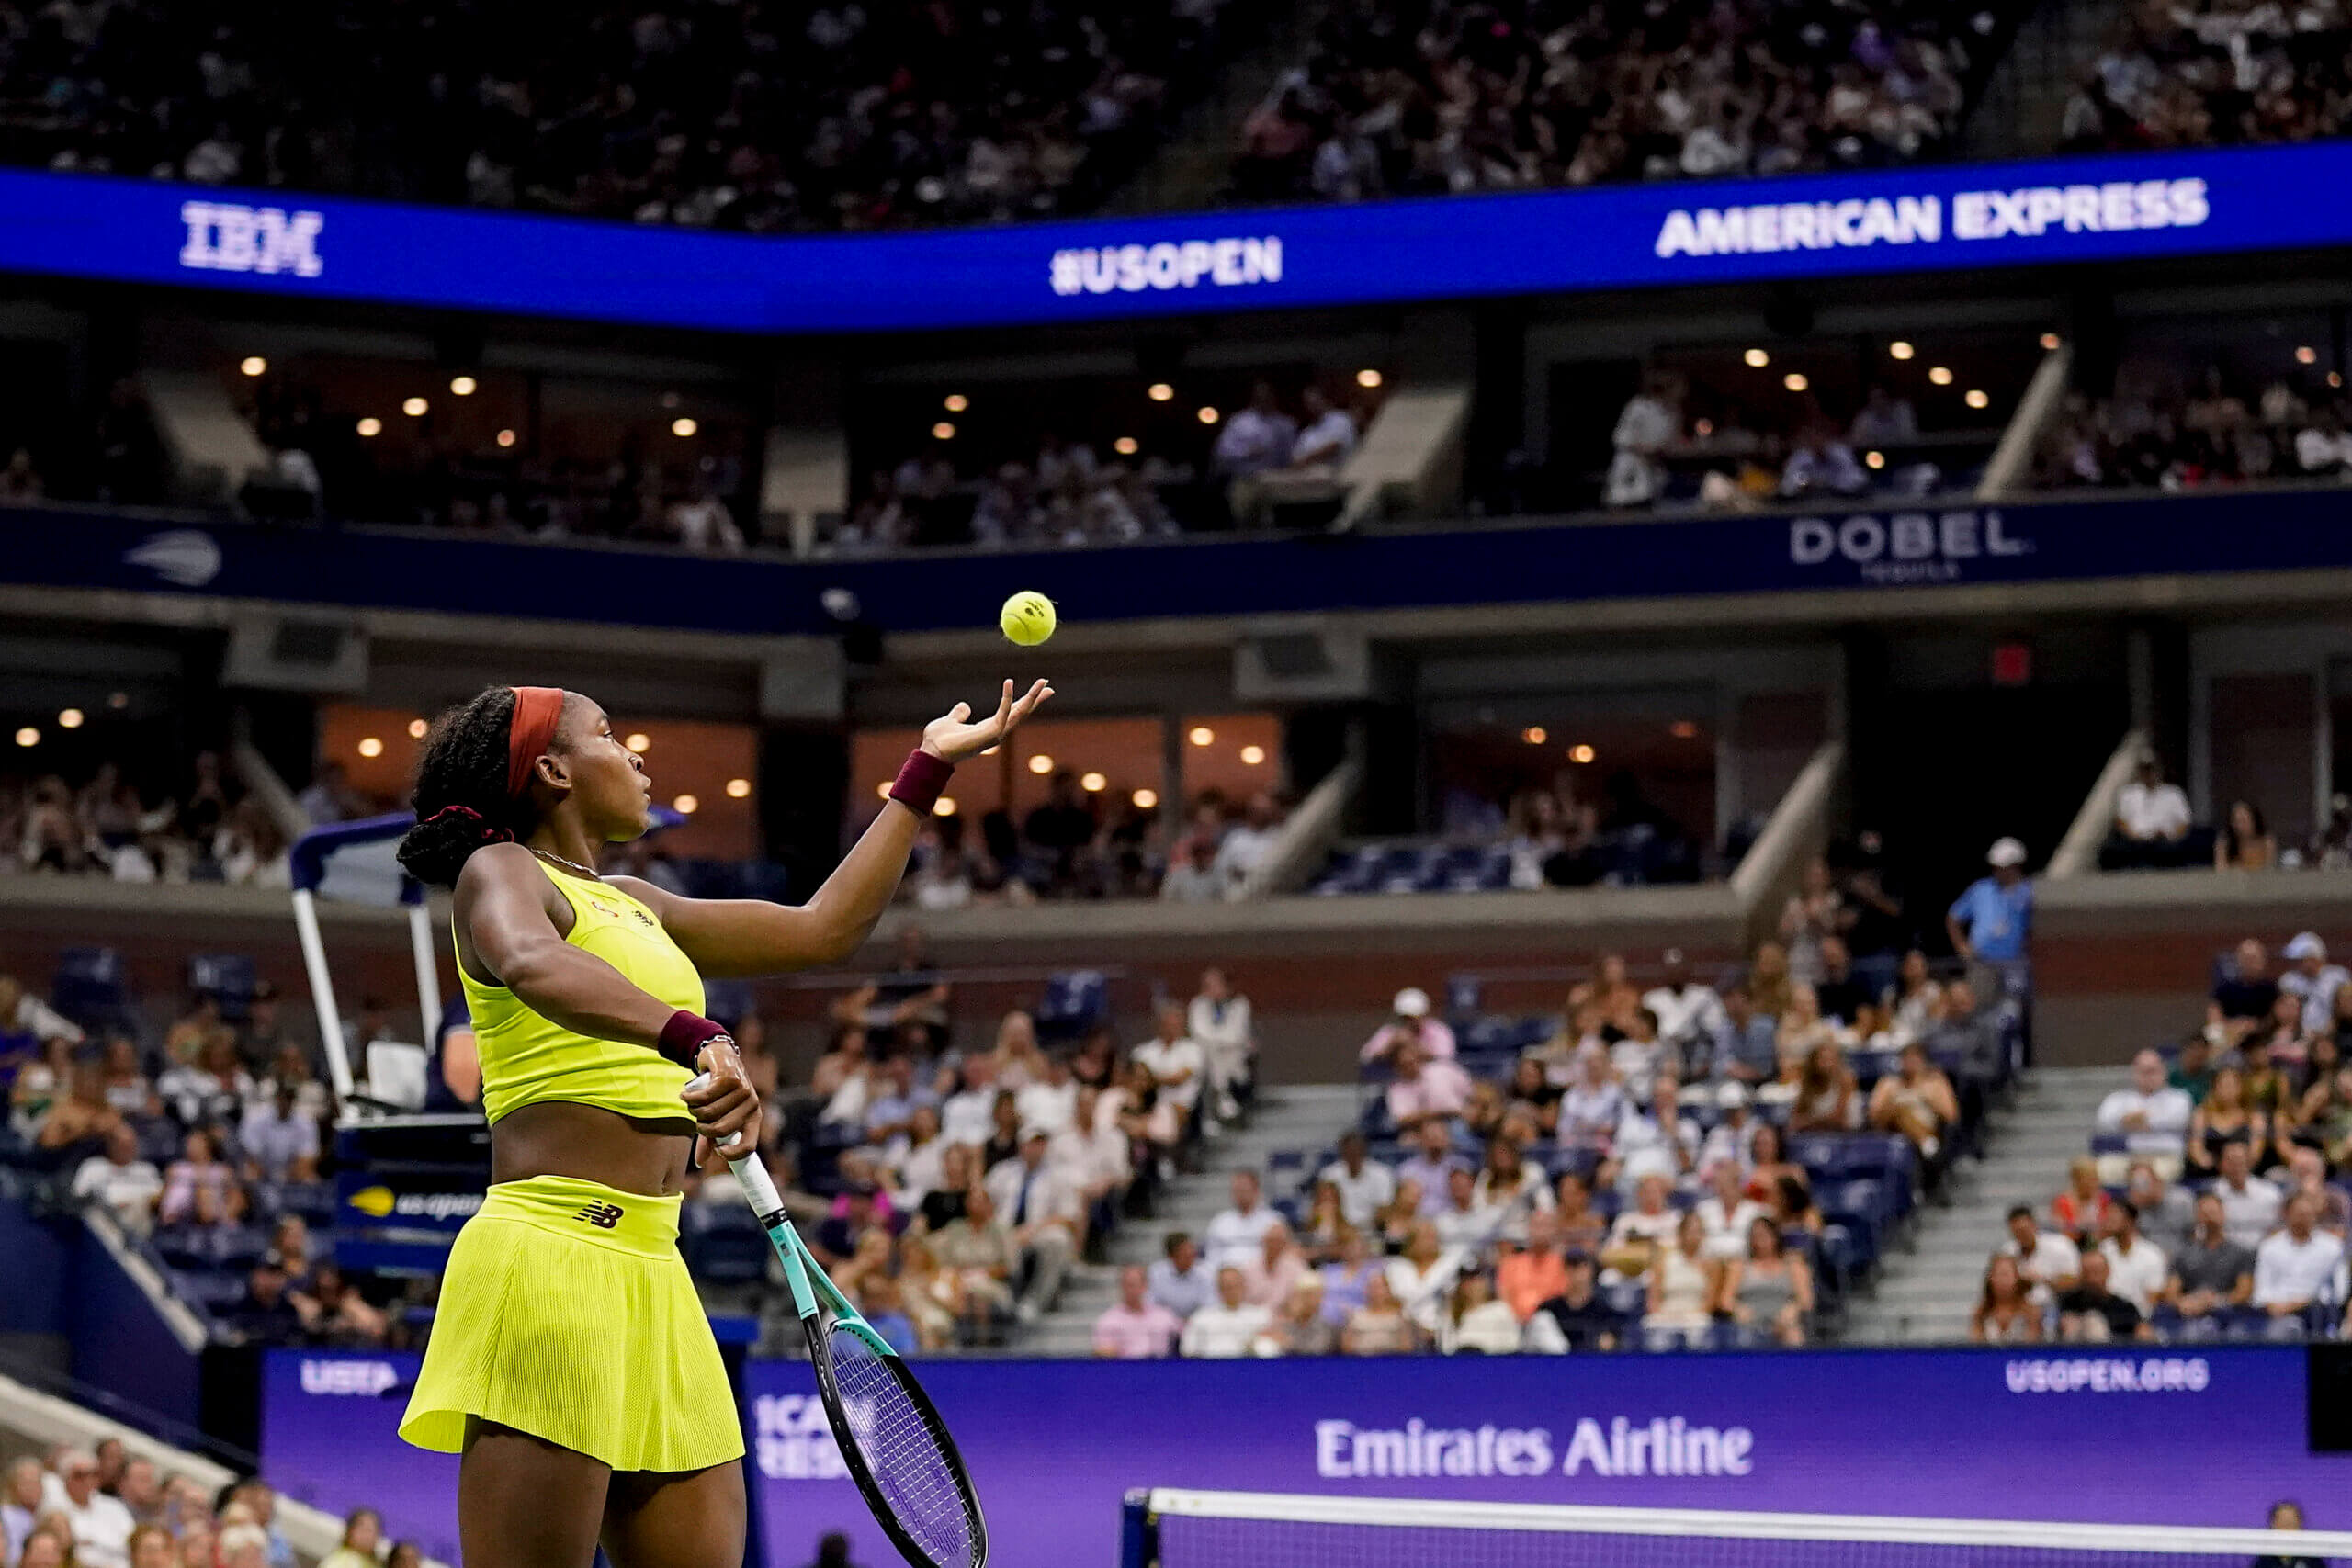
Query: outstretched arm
[[737, 937]]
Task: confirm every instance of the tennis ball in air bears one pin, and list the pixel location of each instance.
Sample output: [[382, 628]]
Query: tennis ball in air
[[1027, 619]]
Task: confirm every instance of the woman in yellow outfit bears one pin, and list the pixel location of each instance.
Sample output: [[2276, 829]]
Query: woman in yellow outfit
[[570, 1362]]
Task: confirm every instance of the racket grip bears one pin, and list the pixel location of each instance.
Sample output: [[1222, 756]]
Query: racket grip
[[759, 1187]]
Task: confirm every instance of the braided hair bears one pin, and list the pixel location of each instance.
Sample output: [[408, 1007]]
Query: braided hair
[[461, 800]]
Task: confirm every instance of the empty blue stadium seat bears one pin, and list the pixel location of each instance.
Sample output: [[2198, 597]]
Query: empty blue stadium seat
[[89, 987], [1076, 1001], [228, 978], [724, 1243]]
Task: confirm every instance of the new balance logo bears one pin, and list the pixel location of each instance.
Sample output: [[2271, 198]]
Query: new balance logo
[[603, 1216], [225, 237]]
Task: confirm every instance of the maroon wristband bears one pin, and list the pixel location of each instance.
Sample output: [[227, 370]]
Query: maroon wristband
[[685, 1034], [922, 778]]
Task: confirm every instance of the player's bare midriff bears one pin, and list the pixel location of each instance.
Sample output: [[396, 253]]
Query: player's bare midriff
[[559, 1138]]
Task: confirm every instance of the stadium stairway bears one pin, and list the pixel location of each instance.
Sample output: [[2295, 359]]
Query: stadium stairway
[[1293, 1117], [1927, 1287]]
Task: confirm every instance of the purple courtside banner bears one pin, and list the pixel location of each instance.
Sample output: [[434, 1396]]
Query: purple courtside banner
[[2145, 1435]]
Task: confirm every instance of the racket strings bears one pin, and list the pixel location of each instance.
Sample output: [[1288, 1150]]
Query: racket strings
[[906, 1459]]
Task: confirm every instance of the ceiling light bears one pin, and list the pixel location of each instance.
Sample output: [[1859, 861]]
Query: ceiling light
[[1207, 416], [1941, 376], [1977, 397], [1757, 358], [1535, 735], [371, 425], [29, 736], [371, 747], [1795, 381], [414, 407], [1041, 764], [955, 402], [416, 728], [1145, 799], [2307, 355], [639, 742], [506, 438], [1202, 735], [1368, 379], [1898, 349], [1252, 755], [1159, 391], [1682, 729], [737, 789], [254, 364], [462, 386], [1580, 753], [682, 426], [943, 806], [943, 431], [1874, 459], [2050, 339], [1093, 784], [1125, 446], [71, 718], [685, 805]]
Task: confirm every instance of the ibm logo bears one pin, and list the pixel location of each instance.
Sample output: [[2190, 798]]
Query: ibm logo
[[224, 237]]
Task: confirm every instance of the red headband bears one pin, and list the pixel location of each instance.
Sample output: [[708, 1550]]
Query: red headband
[[536, 709]]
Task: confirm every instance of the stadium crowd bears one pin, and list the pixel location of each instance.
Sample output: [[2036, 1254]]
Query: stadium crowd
[[2216, 71], [105, 1507], [2153, 432], [2213, 1202], [2156, 828], [1402, 98], [836, 115], [1072, 846], [202, 826]]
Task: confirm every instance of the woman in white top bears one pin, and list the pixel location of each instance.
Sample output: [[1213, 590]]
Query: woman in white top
[[1478, 1323], [1423, 1277], [1915, 1002], [1727, 1210], [1512, 1187], [1219, 1019], [1681, 1291]]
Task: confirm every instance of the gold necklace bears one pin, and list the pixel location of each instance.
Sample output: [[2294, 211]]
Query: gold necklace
[[571, 865]]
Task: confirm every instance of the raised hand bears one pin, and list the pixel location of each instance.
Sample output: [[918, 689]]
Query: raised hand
[[954, 737]]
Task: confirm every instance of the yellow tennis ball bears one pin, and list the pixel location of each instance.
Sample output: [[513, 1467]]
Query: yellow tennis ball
[[1027, 619]]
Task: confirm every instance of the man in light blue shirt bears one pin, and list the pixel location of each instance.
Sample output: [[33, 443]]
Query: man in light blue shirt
[[1990, 921]]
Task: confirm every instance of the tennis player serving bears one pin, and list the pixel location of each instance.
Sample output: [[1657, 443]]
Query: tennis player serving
[[570, 1363]]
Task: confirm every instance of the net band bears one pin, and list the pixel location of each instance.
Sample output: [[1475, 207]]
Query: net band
[[1309, 1529]]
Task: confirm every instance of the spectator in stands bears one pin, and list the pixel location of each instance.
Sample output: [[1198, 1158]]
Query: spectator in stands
[[2092, 1313], [2006, 1311], [1690, 1015], [1533, 1272], [1475, 1323], [1827, 1098], [1641, 1231], [1429, 1167], [121, 1183], [333, 1312], [1917, 1101], [1422, 1278], [1191, 875], [1042, 1217], [2211, 1275], [1179, 1280], [1278, 1264], [1346, 1276], [1247, 844], [101, 1526], [2314, 981], [1219, 1018], [1727, 1210], [21, 1502], [1363, 1184], [2244, 842], [1650, 421], [1177, 1063], [1234, 1235], [1766, 1290], [2048, 1260], [1465, 1223], [1410, 1022], [152, 1546], [2245, 998], [21, 1012], [1256, 439], [200, 1189], [2225, 1119], [1577, 1318], [2167, 1211], [1991, 921], [1227, 1327], [2080, 1211], [1746, 1041], [1885, 419], [1326, 435], [20, 485], [2151, 1116], [1822, 463], [2294, 1269], [2151, 821], [1301, 1326], [977, 1261], [1380, 1326], [280, 1139], [1594, 1106], [1680, 1290], [1135, 1327], [1838, 993], [363, 1537], [1426, 1090], [2250, 1204]]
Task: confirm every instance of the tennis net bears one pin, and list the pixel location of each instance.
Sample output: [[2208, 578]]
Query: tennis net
[[1174, 1528]]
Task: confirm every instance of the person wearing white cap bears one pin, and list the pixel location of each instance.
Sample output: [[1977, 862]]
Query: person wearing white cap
[[2314, 980], [1410, 1019], [1990, 921], [1042, 1215]]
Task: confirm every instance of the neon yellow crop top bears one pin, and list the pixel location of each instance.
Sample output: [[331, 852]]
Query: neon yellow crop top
[[526, 1059]]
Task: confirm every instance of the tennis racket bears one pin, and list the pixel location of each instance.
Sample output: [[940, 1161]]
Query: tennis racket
[[892, 1440]]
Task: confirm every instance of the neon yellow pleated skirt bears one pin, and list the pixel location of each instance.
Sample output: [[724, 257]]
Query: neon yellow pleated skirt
[[567, 1313]]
